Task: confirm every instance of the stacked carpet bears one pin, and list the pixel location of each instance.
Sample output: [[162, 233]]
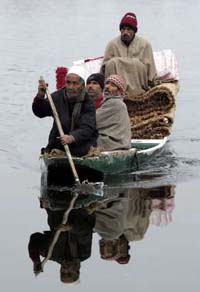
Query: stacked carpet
[[152, 113]]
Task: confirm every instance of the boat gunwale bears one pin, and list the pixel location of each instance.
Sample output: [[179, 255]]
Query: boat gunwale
[[159, 144], [156, 147]]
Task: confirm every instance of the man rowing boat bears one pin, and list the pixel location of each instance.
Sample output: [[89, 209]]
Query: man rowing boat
[[76, 111]]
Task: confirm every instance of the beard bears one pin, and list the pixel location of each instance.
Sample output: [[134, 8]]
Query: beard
[[126, 39]]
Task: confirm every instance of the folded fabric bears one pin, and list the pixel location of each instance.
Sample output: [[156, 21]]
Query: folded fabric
[[152, 113]]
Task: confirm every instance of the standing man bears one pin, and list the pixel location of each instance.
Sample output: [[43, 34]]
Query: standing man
[[76, 111], [130, 56], [112, 117], [95, 86]]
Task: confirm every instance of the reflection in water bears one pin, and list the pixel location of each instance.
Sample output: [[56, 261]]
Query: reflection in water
[[127, 218], [72, 247], [119, 217], [162, 209]]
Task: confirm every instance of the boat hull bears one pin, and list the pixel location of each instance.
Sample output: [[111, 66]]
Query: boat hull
[[108, 163]]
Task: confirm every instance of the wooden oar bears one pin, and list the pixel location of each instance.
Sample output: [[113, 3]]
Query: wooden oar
[[82, 188], [61, 133]]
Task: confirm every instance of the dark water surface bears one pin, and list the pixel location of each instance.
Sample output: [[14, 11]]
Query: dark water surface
[[38, 36]]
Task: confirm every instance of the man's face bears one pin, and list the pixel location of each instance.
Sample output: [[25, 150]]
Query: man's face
[[127, 34], [74, 85], [111, 89], [94, 89], [69, 271]]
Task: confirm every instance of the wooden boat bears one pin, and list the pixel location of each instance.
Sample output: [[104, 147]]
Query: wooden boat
[[107, 163], [151, 117]]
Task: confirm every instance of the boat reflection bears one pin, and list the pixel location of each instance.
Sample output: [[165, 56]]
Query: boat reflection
[[119, 217], [72, 246], [127, 218]]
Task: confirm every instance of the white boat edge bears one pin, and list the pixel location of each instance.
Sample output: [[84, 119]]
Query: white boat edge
[[159, 145]]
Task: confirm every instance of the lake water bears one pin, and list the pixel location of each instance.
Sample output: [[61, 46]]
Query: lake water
[[36, 38]]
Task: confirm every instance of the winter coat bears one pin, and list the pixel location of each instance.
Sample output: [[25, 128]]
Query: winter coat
[[134, 63], [113, 125], [84, 130]]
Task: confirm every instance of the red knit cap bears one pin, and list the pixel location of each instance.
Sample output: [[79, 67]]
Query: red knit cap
[[129, 19], [118, 81]]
